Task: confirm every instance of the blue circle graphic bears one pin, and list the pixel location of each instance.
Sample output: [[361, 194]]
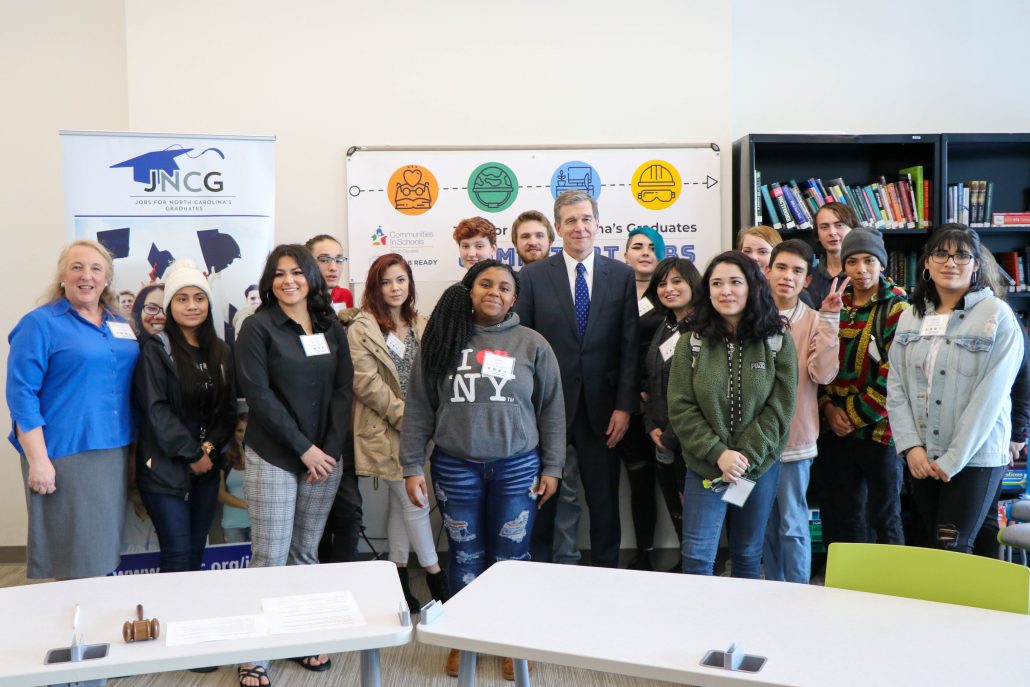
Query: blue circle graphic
[[576, 176]]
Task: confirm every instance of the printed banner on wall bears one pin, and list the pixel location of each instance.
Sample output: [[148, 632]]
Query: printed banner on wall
[[154, 198], [409, 201]]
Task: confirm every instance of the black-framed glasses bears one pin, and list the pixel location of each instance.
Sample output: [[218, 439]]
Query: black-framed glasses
[[152, 309], [941, 257], [329, 260]]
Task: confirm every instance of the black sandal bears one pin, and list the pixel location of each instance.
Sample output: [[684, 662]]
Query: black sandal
[[305, 661], [255, 673]]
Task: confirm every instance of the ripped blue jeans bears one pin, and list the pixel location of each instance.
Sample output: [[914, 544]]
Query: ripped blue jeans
[[488, 510]]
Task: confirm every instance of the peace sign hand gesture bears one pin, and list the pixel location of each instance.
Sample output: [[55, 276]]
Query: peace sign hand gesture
[[834, 300]]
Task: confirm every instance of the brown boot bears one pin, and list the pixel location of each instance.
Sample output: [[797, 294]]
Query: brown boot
[[454, 663], [508, 668]]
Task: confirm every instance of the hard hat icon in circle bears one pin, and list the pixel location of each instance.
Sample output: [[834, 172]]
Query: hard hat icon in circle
[[656, 184], [493, 187]]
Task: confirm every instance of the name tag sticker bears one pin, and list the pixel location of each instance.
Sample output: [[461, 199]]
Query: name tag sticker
[[934, 325], [315, 344], [736, 494], [394, 343], [644, 306], [339, 307], [500, 366], [669, 347], [121, 330]]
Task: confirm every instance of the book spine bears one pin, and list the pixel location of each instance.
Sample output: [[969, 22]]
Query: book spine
[[913, 273], [963, 216], [757, 205], [874, 207], [892, 197], [770, 208], [987, 204], [927, 202], [822, 191], [814, 202], [913, 201], [874, 188], [781, 203], [796, 192], [795, 207], [905, 196]]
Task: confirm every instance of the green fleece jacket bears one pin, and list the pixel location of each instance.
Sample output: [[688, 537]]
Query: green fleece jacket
[[699, 403]]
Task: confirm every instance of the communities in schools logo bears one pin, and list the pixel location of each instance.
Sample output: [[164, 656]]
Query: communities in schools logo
[[379, 237], [159, 170]]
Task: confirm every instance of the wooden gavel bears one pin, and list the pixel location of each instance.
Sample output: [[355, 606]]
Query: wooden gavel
[[140, 629]]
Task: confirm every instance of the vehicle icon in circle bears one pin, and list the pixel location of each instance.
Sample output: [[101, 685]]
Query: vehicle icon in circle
[[656, 183], [492, 187]]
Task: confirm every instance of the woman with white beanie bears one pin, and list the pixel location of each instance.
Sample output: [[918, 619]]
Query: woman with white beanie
[[185, 387]]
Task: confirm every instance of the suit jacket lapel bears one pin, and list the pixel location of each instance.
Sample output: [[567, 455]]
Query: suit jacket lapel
[[598, 291], [560, 283]]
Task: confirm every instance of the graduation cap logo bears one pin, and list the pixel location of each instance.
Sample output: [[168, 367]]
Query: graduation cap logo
[[219, 250], [159, 261], [159, 161]]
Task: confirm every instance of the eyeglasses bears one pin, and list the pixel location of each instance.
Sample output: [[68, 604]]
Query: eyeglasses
[[941, 257], [152, 309], [329, 260]]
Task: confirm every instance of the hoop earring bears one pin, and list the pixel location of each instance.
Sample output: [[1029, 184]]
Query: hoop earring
[[926, 274], [973, 280]]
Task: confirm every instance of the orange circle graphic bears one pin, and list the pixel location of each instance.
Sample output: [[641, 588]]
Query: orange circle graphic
[[412, 190]]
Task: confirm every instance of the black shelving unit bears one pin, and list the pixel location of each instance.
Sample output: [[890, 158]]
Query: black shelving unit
[[858, 159], [1003, 158]]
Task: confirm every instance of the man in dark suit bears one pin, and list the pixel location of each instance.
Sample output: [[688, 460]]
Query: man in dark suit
[[585, 305]]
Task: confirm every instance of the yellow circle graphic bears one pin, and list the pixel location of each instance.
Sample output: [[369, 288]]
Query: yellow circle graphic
[[656, 184]]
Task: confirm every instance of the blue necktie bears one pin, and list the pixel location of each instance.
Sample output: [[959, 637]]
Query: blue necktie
[[582, 298]]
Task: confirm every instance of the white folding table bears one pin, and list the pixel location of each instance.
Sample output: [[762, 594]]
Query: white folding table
[[35, 618], [659, 626]]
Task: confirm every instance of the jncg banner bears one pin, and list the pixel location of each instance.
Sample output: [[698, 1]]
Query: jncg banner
[[155, 198], [408, 201]]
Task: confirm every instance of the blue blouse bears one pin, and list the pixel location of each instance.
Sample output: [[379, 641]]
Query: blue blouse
[[72, 378]]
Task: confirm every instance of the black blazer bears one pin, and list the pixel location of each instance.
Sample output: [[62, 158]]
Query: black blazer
[[603, 364]]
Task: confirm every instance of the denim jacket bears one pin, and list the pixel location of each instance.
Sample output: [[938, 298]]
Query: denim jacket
[[964, 419]]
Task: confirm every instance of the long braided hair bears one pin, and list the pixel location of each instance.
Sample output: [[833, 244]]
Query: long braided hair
[[450, 326]]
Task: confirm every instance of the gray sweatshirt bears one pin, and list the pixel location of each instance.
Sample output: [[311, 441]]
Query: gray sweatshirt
[[481, 417]]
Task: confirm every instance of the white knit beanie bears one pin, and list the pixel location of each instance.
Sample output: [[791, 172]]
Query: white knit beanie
[[179, 275]]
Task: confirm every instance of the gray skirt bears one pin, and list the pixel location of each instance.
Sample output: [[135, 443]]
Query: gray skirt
[[77, 530]]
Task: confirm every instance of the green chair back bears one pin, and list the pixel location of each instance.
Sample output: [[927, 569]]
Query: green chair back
[[931, 575]]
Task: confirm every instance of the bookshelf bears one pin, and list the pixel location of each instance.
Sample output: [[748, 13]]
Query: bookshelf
[[1004, 161], [857, 159], [1001, 158]]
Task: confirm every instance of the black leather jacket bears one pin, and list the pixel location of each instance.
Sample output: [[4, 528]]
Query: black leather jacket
[[165, 446]]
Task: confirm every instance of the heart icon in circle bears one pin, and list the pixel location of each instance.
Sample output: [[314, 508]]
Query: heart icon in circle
[[482, 355], [412, 176]]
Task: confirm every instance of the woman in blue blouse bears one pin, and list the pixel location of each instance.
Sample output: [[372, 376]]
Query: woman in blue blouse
[[68, 379]]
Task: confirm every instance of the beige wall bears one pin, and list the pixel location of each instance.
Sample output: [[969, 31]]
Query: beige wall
[[63, 67], [325, 75]]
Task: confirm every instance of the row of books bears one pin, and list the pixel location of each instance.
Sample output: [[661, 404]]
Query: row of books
[[1014, 267], [901, 204], [969, 202], [903, 268]]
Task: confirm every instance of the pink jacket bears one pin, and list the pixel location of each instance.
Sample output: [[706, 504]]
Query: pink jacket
[[815, 338]]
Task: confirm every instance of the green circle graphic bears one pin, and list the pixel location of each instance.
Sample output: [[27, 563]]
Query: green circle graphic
[[493, 187]]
